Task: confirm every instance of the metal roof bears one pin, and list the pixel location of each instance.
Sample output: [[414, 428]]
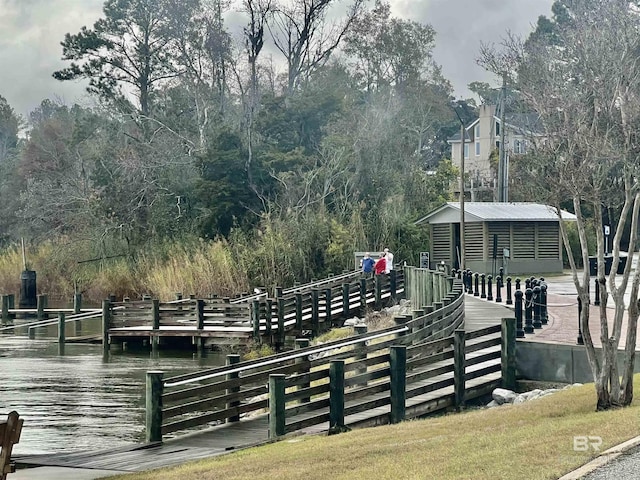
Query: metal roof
[[495, 212]]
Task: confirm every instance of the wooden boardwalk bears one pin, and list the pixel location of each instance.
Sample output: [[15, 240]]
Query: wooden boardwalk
[[253, 431]]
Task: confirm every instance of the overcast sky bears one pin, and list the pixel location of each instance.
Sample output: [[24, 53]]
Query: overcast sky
[[31, 32]]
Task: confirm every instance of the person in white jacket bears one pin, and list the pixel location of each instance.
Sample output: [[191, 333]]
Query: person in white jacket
[[389, 257]]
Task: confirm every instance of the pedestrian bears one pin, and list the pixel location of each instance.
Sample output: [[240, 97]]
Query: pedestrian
[[381, 265], [389, 260], [367, 265]]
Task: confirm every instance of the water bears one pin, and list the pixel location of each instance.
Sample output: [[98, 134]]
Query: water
[[80, 400]]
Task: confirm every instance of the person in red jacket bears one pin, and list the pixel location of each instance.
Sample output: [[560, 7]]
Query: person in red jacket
[[381, 265]]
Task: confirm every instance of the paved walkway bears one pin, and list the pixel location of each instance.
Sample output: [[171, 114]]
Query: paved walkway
[[562, 307]]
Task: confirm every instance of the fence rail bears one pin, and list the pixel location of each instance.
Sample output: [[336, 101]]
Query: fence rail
[[424, 363]]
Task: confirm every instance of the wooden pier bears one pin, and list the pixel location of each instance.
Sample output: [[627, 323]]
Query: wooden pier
[[254, 430]]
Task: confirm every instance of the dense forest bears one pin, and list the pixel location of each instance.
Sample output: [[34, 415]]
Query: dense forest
[[207, 165]]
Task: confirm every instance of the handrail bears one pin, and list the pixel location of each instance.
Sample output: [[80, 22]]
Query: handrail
[[334, 279], [46, 322], [449, 302], [293, 356]]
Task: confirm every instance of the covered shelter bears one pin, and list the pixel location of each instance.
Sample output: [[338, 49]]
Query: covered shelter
[[521, 237]]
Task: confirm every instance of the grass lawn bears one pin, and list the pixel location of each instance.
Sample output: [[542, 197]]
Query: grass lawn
[[533, 440]]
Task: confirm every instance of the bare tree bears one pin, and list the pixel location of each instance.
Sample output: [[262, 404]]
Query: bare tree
[[300, 31], [584, 83]]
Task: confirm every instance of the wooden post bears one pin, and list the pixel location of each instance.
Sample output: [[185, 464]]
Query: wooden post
[[255, 320], [155, 322], [315, 315], [77, 303], [5, 309], [336, 396], [327, 311], [398, 382], [12, 305], [346, 307], [508, 356], [77, 308], [106, 323], [459, 367], [153, 406], [361, 353], [378, 292], [393, 286], [363, 296], [41, 304], [298, 312], [200, 314], [269, 317], [232, 360], [280, 336], [276, 405], [400, 321], [61, 329], [303, 368]]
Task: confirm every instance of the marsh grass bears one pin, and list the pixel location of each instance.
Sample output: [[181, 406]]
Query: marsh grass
[[189, 267], [533, 440]]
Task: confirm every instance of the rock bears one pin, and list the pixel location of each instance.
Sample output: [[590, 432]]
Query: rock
[[502, 395], [519, 399], [492, 404], [352, 322]]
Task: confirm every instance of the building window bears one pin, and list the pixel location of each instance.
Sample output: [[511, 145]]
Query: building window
[[466, 150], [476, 132], [497, 128], [477, 149], [519, 146]]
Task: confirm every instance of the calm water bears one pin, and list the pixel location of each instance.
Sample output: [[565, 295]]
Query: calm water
[[79, 401]]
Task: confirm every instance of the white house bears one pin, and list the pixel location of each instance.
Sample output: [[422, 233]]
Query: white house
[[482, 138]]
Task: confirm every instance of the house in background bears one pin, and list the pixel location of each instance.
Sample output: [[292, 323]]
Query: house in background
[[482, 139], [523, 238]]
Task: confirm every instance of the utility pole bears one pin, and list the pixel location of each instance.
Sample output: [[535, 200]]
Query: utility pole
[[502, 157], [461, 195], [462, 140]]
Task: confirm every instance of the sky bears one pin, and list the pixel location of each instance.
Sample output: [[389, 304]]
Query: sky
[[31, 32]]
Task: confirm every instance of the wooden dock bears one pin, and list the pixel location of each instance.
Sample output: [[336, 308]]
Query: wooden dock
[[251, 431]]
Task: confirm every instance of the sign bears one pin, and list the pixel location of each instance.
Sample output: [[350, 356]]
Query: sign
[[424, 259], [607, 230]]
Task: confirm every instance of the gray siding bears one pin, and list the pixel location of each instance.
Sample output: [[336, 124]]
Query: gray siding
[[441, 243], [473, 241]]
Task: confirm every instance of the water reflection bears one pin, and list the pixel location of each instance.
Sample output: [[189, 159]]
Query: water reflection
[[80, 400]]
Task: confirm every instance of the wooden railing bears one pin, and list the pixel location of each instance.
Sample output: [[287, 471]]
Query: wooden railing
[[9, 435], [312, 309], [424, 363]]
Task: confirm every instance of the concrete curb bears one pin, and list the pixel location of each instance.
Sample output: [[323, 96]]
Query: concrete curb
[[602, 459]]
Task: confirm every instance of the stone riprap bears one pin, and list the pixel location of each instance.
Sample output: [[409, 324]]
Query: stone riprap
[[502, 396]]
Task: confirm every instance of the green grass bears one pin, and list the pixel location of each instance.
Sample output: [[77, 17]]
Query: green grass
[[533, 440]]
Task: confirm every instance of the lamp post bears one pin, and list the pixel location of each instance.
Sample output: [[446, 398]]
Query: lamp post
[[462, 140]]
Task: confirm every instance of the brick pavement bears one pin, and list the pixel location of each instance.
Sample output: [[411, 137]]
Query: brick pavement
[[562, 309]]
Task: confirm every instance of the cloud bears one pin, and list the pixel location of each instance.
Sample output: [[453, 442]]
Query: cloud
[[30, 51], [31, 32], [461, 26]]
